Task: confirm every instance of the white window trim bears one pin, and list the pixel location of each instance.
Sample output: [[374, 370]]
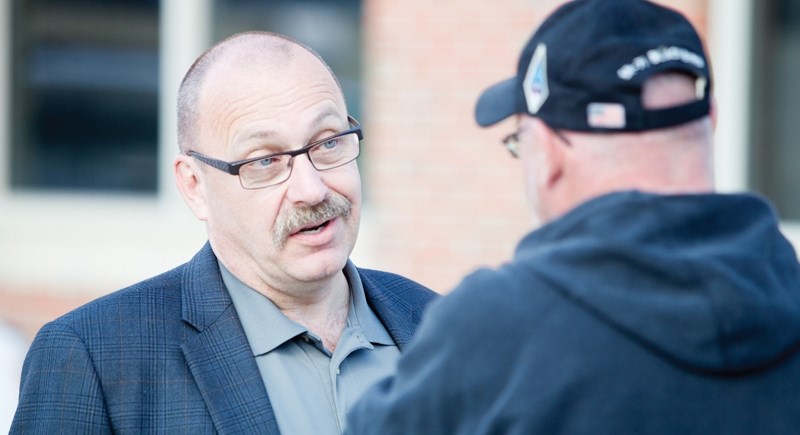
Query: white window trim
[[730, 35]]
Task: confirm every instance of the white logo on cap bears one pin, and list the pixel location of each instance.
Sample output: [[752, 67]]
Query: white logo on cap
[[659, 55], [535, 84]]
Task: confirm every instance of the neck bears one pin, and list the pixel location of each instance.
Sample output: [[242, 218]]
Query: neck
[[664, 163], [319, 305], [323, 311]]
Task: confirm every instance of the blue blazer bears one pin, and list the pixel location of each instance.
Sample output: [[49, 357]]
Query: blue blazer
[[169, 355]]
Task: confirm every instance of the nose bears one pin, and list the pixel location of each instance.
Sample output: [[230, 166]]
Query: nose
[[305, 184]]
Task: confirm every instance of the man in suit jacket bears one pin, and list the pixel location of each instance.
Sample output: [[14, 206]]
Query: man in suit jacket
[[269, 328]]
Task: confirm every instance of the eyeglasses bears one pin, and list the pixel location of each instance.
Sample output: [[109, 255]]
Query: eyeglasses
[[270, 170], [511, 142]]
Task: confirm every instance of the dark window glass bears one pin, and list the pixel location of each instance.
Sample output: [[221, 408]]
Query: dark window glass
[[85, 95], [775, 147]]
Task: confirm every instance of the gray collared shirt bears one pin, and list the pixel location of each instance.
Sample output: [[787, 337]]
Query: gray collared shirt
[[311, 389]]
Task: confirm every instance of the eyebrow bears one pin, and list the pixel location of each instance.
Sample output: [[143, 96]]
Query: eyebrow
[[261, 134], [247, 144], [328, 112]]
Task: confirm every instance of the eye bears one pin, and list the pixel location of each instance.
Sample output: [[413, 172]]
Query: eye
[[330, 143], [265, 162]]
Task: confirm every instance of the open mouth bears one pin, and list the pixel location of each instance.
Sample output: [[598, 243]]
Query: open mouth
[[314, 228]]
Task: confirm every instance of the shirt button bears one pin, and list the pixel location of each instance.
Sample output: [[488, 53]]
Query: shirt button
[[338, 371], [360, 338], [305, 338]]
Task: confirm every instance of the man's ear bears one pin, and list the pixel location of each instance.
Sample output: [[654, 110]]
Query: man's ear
[[190, 185], [551, 156]]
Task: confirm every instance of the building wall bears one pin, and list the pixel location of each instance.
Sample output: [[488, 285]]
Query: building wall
[[442, 196]]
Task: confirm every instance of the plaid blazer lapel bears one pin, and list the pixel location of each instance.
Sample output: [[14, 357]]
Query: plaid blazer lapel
[[218, 355], [398, 303]]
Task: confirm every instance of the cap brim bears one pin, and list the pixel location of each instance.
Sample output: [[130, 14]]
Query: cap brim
[[497, 102]]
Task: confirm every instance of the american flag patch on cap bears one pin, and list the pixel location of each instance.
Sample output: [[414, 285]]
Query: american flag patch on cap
[[605, 115]]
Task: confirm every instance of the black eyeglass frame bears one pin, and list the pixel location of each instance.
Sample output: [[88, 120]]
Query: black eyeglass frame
[[233, 168]]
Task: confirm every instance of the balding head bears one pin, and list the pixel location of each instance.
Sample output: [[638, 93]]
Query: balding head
[[245, 52]]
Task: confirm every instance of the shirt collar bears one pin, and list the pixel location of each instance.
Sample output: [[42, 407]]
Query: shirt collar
[[360, 312], [267, 328]]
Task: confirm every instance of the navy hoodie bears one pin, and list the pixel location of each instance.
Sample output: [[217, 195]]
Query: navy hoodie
[[634, 313]]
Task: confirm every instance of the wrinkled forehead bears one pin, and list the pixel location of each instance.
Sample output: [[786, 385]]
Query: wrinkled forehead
[[253, 67], [280, 95]]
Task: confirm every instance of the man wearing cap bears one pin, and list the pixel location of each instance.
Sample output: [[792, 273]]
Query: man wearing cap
[[646, 303]]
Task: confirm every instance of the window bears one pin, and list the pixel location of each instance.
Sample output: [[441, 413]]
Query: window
[[84, 95], [775, 144]]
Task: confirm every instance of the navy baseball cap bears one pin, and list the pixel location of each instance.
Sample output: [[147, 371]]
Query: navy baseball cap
[[584, 68]]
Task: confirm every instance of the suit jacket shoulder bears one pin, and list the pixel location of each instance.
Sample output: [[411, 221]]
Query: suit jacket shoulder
[[397, 301], [165, 354]]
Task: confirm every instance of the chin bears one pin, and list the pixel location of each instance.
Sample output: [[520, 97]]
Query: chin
[[319, 265], [310, 259], [319, 271]]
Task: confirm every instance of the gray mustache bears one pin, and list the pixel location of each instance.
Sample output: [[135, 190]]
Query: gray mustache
[[335, 205]]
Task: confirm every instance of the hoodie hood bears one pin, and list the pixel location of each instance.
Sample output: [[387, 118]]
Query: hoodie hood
[[706, 281]]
